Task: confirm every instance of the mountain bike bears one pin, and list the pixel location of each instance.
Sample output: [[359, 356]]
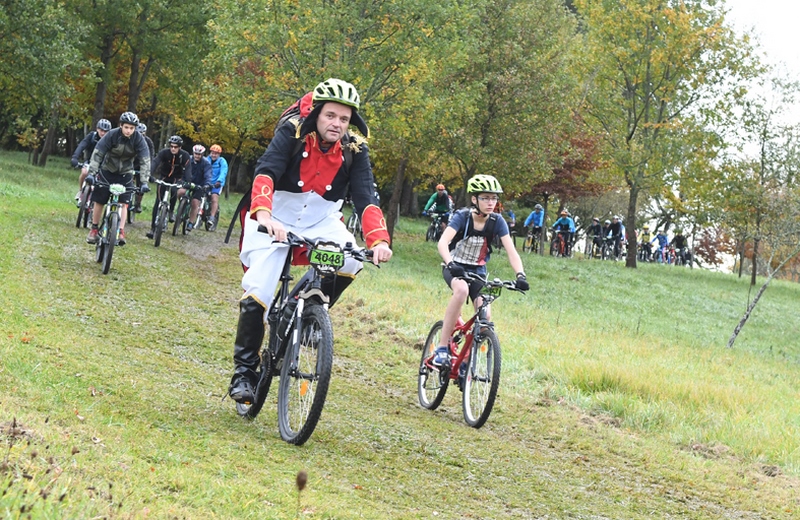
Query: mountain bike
[[591, 249], [354, 224], [131, 216], [607, 249], [108, 234], [184, 207], [645, 253], [475, 350], [300, 344], [204, 209], [558, 245], [531, 243], [85, 204], [162, 209], [434, 232]]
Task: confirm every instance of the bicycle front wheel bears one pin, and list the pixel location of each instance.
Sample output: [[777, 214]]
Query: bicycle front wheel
[[482, 379], [180, 218], [431, 384], [305, 376], [430, 235], [111, 240], [161, 224]]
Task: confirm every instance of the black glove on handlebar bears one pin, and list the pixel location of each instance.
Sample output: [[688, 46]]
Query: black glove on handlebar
[[456, 270], [145, 188], [522, 282], [74, 163]]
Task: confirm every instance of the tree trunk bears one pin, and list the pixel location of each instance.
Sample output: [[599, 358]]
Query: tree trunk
[[758, 296], [543, 237], [741, 258], [49, 140], [756, 240], [101, 88], [393, 211], [137, 79], [630, 228]]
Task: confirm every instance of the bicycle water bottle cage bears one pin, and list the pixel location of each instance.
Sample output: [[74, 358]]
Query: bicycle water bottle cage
[[116, 189]]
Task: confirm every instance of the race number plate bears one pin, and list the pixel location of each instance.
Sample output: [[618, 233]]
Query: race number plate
[[326, 257]]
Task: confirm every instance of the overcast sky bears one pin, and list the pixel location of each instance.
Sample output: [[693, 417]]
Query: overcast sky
[[776, 23]]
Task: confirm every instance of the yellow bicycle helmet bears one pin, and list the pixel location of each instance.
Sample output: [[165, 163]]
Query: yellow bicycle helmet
[[483, 184]]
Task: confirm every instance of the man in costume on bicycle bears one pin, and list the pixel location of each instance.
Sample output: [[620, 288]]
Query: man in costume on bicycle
[[465, 246], [441, 202], [83, 153], [219, 169], [172, 166], [566, 226], [112, 160], [200, 174], [303, 192]]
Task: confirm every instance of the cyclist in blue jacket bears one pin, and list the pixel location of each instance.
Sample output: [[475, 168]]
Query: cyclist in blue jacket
[[566, 225], [219, 169]]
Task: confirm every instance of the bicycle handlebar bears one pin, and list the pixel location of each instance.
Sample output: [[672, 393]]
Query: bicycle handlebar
[[294, 240], [496, 282]]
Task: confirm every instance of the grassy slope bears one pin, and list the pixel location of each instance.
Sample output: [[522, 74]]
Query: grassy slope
[[618, 398]]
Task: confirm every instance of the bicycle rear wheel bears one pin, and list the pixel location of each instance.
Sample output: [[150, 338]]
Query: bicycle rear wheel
[[111, 240], [431, 384], [482, 379], [250, 411], [305, 376], [131, 215]]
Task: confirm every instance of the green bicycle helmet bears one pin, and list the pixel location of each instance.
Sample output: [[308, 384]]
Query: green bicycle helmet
[[483, 184], [333, 89], [337, 91]]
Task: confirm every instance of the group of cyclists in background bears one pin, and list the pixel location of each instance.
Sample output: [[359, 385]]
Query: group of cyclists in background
[[605, 240], [126, 155]]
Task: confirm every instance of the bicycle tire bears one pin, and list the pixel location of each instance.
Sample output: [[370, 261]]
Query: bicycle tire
[[83, 200], [351, 224], [250, 411], [111, 241], [429, 234], [482, 379], [131, 215], [161, 221], [527, 245], [99, 251], [431, 384], [179, 218], [305, 376]]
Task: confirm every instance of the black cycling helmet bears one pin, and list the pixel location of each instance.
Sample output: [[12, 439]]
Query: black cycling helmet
[[176, 139], [104, 125], [129, 118]]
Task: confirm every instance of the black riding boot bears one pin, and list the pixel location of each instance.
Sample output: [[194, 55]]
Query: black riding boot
[[249, 337], [333, 287]]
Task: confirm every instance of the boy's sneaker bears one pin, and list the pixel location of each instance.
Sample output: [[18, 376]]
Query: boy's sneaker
[[189, 227], [441, 356], [78, 198], [121, 239], [94, 234], [149, 234]]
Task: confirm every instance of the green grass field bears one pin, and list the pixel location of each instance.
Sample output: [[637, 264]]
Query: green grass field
[[618, 398]]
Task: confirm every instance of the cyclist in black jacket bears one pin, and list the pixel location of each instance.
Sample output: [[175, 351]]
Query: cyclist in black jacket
[[170, 165], [84, 151]]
